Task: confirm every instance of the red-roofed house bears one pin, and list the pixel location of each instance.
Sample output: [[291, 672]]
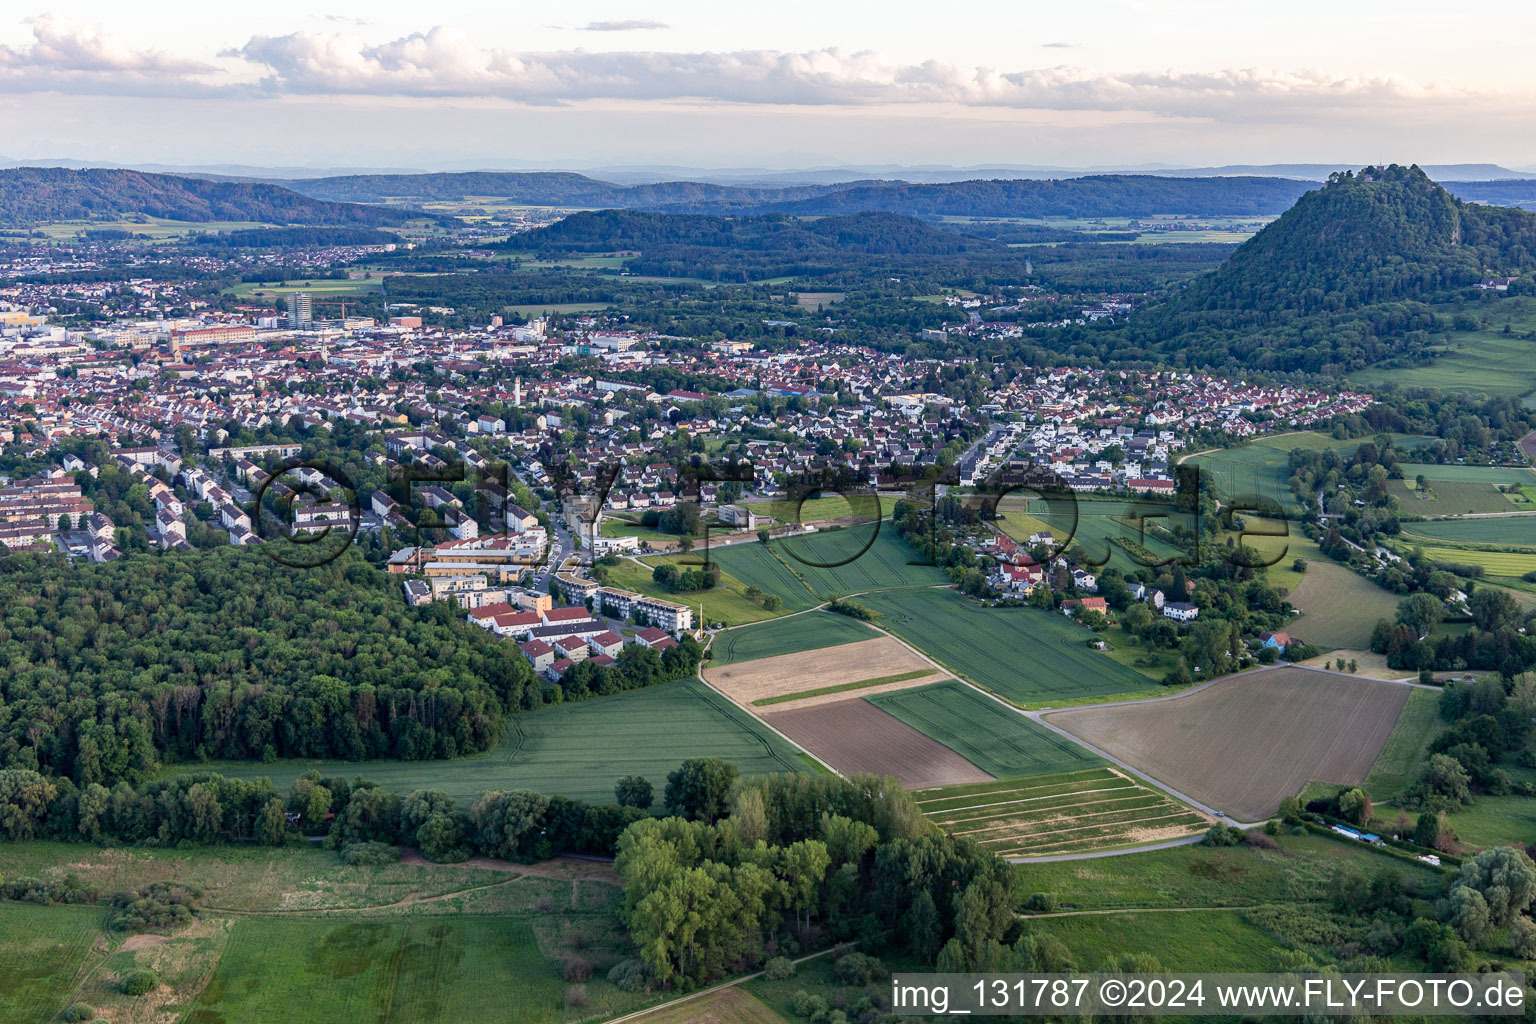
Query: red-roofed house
[[655, 639], [609, 643], [539, 654]]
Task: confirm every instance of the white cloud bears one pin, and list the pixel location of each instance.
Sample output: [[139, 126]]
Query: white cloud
[[66, 57], [632, 25], [445, 63]]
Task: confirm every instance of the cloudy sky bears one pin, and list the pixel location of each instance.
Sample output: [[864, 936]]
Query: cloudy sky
[[789, 84]]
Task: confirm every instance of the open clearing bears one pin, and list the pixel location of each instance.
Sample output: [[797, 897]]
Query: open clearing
[[727, 602], [796, 673], [855, 736], [1244, 743], [576, 750], [1339, 609], [1021, 654], [1482, 360], [786, 636], [1073, 812], [994, 738]]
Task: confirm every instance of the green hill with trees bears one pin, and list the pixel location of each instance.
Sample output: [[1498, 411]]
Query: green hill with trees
[[38, 195]]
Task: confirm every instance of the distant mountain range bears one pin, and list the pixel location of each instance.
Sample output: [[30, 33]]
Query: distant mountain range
[[1099, 196], [36, 195], [651, 174]]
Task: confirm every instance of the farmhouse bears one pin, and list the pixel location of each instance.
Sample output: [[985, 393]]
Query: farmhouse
[[1279, 641], [1087, 604]]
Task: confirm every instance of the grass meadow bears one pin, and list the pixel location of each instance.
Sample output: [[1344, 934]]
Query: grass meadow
[[790, 635], [576, 750]]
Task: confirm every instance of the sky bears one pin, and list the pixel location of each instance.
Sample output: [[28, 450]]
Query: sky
[[791, 84]]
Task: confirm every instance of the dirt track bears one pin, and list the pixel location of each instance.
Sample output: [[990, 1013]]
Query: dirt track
[[855, 736]]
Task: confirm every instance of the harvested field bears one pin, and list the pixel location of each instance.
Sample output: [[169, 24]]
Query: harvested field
[[765, 678], [855, 736], [1339, 608], [1244, 743], [1071, 812]]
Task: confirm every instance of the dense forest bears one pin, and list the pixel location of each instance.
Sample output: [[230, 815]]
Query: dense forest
[[108, 669], [35, 195]]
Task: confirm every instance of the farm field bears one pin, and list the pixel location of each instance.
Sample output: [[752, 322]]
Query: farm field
[[855, 736], [758, 565], [727, 602], [576, 750], [789, 635], [1449, 498], [1021, 654], [1244, 743], [1097, 808], [884, 565], [1511, 531], [1406, 751], [786, 674], [41, 950], [1263, 468], [1468, 474], [1496, 563], [992, 737], [821, 508], [1482, 360], [1339, 608]]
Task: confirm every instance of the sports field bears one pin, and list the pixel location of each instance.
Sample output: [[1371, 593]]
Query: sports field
[[1244, 743], [788, 635], [884, 563], [1023, 654], [577, 750], [855, 736], [1099, 808], [994, 738], [787, 675], [1339, 608]]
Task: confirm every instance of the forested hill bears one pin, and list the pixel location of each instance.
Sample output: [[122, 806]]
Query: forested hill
[[1108, 195], [657, 233], [1097, 196], [37, 195], [1339, 280]]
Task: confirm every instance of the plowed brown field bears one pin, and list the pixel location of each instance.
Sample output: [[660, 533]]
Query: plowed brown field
[[1244, 743], [855, 736]]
